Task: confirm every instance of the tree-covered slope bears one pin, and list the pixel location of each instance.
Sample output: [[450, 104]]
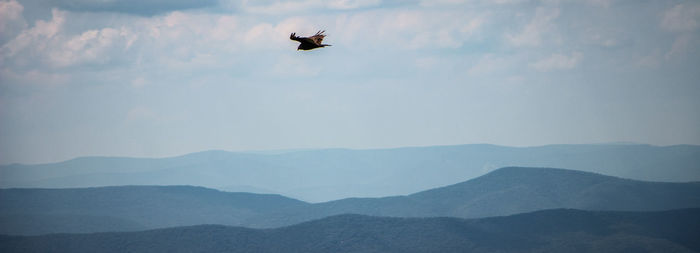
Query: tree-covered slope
[[35, 211], [502, 192], [561, 230]]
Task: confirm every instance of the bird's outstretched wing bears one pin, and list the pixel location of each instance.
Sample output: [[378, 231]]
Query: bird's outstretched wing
[[294, 36], [318, 37]]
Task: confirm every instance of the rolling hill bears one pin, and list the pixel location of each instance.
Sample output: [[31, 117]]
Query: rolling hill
[[505, 191], [129, 208], [560, 230], [332, 174], [514, 190]]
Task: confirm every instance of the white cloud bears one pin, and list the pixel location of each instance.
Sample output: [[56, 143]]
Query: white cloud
[[506, 1], [48, 44], [299, 25], [409, 29], [532, 33], [92, 46], [223, 30], [681, 44], [31, 44], [295, 6], [10, 10], [11, 20], [684, 20], [131, 7], [279, 7], [352, 4], [180, 41], [442, 2], [183, 40], [257, 33], [558, 62], [459, 2], [682, 17]]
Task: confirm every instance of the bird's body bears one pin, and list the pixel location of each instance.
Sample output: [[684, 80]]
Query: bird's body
[[308, 43]]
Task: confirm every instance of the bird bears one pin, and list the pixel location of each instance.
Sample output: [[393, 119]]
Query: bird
[[308, 43]]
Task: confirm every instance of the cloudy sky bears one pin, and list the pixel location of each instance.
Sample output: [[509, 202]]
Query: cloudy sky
[[158, 78]]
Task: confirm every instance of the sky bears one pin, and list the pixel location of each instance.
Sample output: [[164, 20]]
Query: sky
[[155, 78]]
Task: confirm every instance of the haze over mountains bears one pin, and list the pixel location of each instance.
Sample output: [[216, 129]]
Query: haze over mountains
[[331, 174], [502, 192], [442, 198], [544, 231]]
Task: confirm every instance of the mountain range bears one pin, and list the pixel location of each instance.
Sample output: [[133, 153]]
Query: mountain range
[[504, 191], [331, 174], [560, 230]]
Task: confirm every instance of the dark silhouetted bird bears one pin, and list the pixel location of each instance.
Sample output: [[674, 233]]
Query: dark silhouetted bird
[[308, 43]]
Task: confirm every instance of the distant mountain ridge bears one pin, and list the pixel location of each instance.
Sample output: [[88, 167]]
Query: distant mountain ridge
[[331, 174], [513, 190], [561, 230], [505, 191]]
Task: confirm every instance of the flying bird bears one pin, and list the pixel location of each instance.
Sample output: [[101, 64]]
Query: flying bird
[[308, 43]]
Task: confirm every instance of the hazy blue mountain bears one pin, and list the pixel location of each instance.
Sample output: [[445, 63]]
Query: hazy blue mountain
[[502, 192], [125, 208], [558, 230], [331, 174], [514, 190]]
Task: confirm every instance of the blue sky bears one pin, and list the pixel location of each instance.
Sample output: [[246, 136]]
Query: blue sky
[[159, 78]]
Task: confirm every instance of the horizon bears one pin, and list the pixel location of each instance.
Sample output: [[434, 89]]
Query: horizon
[[293, 150]]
